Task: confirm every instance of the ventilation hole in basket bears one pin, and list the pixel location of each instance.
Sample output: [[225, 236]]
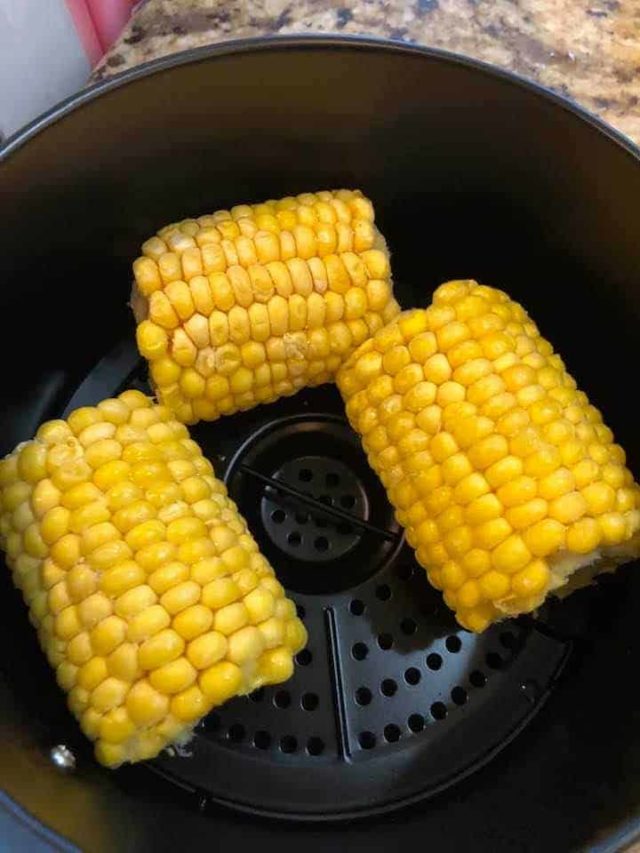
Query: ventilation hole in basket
[[332, 479], [305, 475], [278, 516], [404, 571], [360, 651], [257, 695], [321, 523], [408, 626], [294, 538], [357, 607], [304, 657], [315, 746], [363, 696], [477, 678], [388, 687], [494, 661], [383, 592], [309, 701], [301, 517], [459, 695], [262, 740], [416, 723], [434, 661], [282, 699], [453, 644], [301, 611], [412, 676], [385, 641], [347, 501], [236, 733], [392, 733], [438, 710], [367, 740], [321, 543], [288, 744], [508, 640]]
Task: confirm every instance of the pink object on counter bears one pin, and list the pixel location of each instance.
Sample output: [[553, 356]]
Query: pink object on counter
[[99, 23]]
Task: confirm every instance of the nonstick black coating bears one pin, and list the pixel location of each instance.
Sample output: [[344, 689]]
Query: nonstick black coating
[[473, 173]]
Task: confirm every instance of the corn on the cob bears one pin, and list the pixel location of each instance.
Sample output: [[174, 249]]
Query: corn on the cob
[[247, 305], [505, 478], [150, 596]]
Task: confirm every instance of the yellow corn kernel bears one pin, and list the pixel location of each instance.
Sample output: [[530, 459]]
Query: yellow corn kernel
[[108, 634], [116, 726], [189, 705], [221, 681], [275, 665], [584, 536], [92, 673], [260, 604], [230, 618], [181, 596], [220, 592], [193, 621], [54, 524], [162, 648], [79, 649], [245, 645], [145, 705], [134, 601], [122, 663], [109, 694], [44, 496], [273, 632], [613, 527], [121, 577], [173, 677], [148, 623], [532, 580], [94, 608], [527, 514], [207, 649], [600, 498]]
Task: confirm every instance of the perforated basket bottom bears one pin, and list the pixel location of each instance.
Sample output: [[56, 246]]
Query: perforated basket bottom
[[391, 701]]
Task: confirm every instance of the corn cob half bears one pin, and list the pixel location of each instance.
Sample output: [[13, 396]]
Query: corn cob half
[[150, 596], [244, 306], [505, 478]]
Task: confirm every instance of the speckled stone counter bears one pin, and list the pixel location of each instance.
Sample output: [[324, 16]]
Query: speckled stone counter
[[588, 50]]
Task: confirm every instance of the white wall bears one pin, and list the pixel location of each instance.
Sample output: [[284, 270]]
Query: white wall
[[41, 59]]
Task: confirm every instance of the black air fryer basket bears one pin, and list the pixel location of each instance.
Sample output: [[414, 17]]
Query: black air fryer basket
[[398, 727]]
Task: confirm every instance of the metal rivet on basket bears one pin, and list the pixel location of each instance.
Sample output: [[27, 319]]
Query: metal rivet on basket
[[62, 758]]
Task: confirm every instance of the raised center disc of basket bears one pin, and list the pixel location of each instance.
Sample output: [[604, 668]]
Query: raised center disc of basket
[[306, 532], [318, 511]]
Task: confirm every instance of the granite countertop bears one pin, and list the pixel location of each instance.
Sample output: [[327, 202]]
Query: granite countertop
[[588, 50]]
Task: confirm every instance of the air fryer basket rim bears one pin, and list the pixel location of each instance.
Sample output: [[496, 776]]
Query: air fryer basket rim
[[8, 808], [314, 41]]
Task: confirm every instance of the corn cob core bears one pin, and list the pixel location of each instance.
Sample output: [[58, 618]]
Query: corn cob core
[[150, 596], [247, 305], [504, 476]]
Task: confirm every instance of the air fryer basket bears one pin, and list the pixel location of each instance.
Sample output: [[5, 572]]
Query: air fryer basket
[[473, 174]]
